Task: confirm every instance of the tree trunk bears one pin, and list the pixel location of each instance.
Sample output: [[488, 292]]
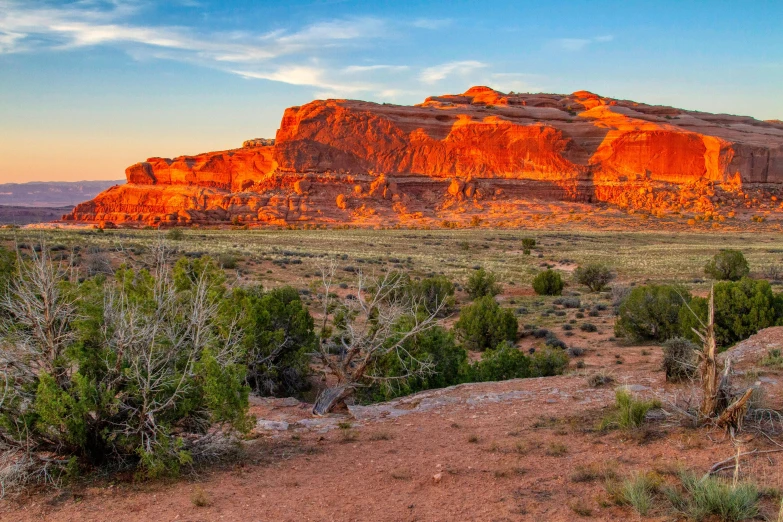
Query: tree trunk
[[331, 398], [731, 418], [709, 370]]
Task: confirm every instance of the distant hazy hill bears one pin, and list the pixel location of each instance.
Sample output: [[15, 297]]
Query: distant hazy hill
[[10, 215], [51, 193]]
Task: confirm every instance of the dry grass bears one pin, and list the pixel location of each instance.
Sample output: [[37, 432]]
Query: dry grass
[[594, 471], [200, 498], [402, 474], [598, 379], [556, 449], [581, 508], [633, 255], [773, 359]]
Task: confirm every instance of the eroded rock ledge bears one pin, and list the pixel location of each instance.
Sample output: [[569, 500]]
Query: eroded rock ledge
[[482, 152]]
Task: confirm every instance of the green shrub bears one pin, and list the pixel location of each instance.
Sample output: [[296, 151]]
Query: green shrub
[[638, 491], [706, 497], [728, 265], [651, 313], [773, 273], [548, 362], [528, 243], [548, 282], [484, 324], [397, 285], [187, 274], [138, 372], [228, 261], [428, 293], [594, 276], [742, 308], [568, 302], [279, 336], [435, 347], [680, 359], [450, 365], [773, 359], [629, 412], [695, 498], [434, 291], [552, 341], [482, 283], [175, 234], [7, 269], [504, 362]]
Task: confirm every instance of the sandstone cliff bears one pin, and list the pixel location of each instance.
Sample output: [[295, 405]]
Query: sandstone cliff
[[346, 161]]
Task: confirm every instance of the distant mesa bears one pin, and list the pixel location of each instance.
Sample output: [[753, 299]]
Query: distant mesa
[[452, 157], [51, 194]]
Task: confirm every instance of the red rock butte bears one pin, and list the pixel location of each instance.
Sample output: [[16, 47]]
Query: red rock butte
[[480, 153]]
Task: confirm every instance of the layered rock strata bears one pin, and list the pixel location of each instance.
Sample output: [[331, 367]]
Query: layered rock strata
[[347, 161]]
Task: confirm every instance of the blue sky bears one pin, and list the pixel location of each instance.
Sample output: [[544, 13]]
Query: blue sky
[[88, 87]]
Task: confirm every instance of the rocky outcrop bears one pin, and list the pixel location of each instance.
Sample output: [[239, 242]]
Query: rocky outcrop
[[346, 161]]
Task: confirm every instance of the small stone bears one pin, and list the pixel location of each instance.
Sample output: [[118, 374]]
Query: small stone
[[437, 477], [271, 425]]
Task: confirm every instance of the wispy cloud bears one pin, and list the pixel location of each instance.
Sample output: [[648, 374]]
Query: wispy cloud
[[280, 55], [578, 44], [517, 82], [313, 56], [440, 72], [368, 68], [9, 41], [336, 31], [306, 75], [26, 27], [431, 23]]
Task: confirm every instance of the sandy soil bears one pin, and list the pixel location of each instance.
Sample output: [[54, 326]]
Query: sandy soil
[[492, 451]]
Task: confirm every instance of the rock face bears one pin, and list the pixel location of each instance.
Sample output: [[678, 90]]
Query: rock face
[[346, 161]]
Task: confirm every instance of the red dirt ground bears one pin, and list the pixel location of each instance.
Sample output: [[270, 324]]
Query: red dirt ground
[[494, 451]]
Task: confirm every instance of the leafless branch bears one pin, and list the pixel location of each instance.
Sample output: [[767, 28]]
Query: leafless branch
[[358, 330]]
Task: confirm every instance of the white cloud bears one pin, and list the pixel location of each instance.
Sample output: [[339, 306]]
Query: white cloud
[[442, 71], [579, 44], [292, 74], [368, 68], [573, 44], [308, 56], [83, 24], [517, 82], [9, 41], [309, 76], [336, 30], [431, 23]]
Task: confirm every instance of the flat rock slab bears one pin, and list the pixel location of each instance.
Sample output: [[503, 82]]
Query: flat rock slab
[[270, 425]]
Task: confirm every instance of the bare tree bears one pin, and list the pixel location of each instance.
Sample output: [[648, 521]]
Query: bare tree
[[39, 314], [160, 351], [361, 328], [719, 404], [151, 345], [35, 331], [710, 403]]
